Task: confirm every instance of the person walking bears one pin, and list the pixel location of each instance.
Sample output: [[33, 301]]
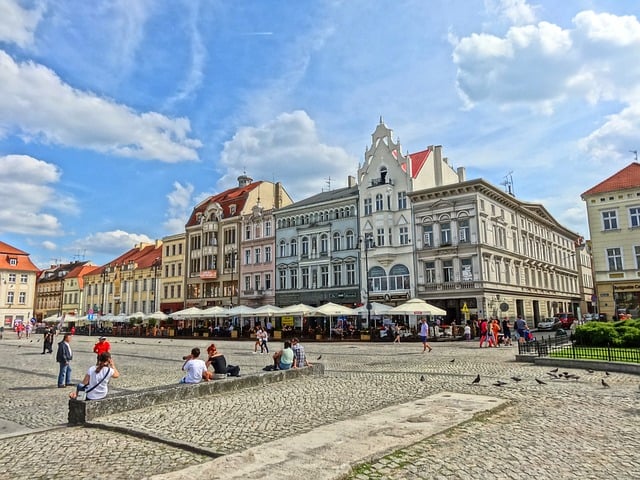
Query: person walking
[[424, 333], [264, 344], [64, 355], [47, 344]]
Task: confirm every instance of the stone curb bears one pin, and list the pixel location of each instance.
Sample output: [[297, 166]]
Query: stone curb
[[81, 412]]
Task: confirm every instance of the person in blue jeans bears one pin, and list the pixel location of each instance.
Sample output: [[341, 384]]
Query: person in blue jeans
[[64, 357], [283, 359]]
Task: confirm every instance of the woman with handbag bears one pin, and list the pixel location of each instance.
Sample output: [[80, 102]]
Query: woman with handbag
[[94, 386]]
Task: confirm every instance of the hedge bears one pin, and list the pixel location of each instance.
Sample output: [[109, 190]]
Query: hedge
[[623, 333]]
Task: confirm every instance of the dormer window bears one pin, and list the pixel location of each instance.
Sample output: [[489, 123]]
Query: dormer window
[[13, 261], [232, 209]]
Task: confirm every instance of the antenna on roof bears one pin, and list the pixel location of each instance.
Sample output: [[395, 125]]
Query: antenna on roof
[[508, 183], [635, 152], [328, 182], [80, 255]]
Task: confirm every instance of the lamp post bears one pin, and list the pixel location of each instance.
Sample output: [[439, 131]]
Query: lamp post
[[368, 243], [157, 265], [103, 275], [232, 265]]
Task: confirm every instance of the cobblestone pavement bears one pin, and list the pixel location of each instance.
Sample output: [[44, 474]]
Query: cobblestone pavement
[[562, 429]]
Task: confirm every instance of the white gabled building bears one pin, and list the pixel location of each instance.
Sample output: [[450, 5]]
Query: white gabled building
[[385, 180]]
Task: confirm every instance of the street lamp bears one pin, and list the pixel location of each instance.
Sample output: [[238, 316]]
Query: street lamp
[[157, 265], [232, 265], [103, 275], [367, 240]]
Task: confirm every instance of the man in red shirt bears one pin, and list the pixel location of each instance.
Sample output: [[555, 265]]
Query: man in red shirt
[[102, 346]]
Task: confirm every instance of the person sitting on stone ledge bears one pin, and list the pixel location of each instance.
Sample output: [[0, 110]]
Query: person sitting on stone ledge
[[195, 367], [96, 381], [216, 360], [299, 357], [283, 360]]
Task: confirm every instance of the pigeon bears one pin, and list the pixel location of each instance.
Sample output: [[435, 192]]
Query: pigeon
[[422, 379], [554, 370], [540, 382], [452, 360], [476, 380], [552, 375], [516, 379], [589, 370], [571, 375], [604, 384], [319, 358], [499, 383], [607, 373]]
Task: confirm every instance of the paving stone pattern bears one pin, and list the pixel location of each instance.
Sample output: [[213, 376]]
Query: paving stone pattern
[[563, 429]]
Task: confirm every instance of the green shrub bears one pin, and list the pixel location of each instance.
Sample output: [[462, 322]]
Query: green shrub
[[629, 336], [624, 333]]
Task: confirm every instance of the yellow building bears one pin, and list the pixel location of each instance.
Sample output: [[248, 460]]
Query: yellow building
[[613, 210], [173, 273]]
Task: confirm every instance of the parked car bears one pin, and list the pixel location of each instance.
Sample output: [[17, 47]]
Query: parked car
[[566, 319], [549, 323]]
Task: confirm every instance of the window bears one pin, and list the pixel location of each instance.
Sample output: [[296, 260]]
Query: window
[[294, 247], [463, 231], [466, 270], [305, 278], [13, 261], [267, 254], [267, 281], [247, 282], [404, 235], [336, 242], [247, 232], [447, 271], [324, 244], [283, 248], [324, 276], [351, 273], [430, 272], [367, 206], [399, 278], [305, 247], [379, 202], [12, 278], [256, 282], [380, 237], [22, 298], [634, 217], [24, 278], [337, 275], [610, 220], [402, 200], [257, 254], [9, 298], [282, 279], [378, 279], [267, 228], [247, 257], [350, 237], [445, 233], [427, 235], [614, 258]]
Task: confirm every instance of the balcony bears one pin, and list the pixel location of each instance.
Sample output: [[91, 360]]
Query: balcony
[[435, 286], [376, 182]]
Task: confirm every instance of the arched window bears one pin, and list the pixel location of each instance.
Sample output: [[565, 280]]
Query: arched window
[[379, 202], [336, 242], [350, 239], [324, 244], [383, 174], [283, 248], [399, 278], [294, 247], [378, 279], [305, 246]]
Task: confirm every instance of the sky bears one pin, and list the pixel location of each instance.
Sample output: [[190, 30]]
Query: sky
[[117, 117]]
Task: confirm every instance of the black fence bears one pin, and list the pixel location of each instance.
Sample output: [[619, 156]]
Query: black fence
[[564, 347]]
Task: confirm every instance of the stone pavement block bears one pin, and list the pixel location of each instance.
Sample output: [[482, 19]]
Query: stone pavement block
[[329, 451]]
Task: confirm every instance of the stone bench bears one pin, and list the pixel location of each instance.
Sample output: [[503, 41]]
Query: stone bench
[[83, 411]]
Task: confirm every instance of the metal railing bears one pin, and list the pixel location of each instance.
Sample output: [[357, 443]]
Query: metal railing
[[563, 347]]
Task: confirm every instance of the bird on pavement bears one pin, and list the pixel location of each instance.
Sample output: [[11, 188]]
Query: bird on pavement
[[476, 380], [516, 379], [604, 384], [552, 375], [452, 360], [422, 379], [554, 370], [607, 373], [499, 383], [589, 370], [319, 358], [540, 382]]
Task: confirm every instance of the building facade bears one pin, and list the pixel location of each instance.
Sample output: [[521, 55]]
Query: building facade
[[613, 210], [17, 286], [480, 251], [213, 241], [386, 180], [50, 290], [173, 273], [317, 250]]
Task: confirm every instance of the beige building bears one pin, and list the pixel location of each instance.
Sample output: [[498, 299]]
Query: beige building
[[73, 290], [481, 251], [613, 210], [173, 273], [214, 241], [128, 284], [52, 283], [17, 286]]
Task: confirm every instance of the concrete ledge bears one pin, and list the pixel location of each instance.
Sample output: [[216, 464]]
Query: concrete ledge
[[84, 411]]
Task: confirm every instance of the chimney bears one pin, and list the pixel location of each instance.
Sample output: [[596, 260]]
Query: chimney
[[277, 200], [462, 174], [437, 164], [351, 181]]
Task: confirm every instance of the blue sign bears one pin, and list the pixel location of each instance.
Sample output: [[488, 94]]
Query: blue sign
[[91, 316]]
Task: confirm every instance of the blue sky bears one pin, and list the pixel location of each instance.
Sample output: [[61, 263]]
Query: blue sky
[[117, 117]]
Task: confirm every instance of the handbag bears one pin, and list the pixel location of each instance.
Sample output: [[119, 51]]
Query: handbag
[[81, 393]]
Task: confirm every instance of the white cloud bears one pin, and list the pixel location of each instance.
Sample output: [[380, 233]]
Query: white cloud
[[516, 12], [26, 194], [115, 242], [180, 205], [287, 149], [41, 107], [49, 245], [17, 24], [608, 142]]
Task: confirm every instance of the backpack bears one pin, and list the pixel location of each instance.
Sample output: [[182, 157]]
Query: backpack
[[233, 371]]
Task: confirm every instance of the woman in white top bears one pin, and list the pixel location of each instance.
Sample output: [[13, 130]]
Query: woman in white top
[[96, 381]]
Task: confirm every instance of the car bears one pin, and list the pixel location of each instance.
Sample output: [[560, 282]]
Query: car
[[549, 323], [566, 319]]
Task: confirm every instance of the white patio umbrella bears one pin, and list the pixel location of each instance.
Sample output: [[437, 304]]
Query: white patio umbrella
[[136, 315], [268, 311], [376, 309], [298, 309], [215, 312], [333, 310], [417, 306], [157, 316], [191, 312], [241, 311], [52, 319]]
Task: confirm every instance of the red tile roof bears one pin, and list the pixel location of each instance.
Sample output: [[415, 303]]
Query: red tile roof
[[418, 160], [234, 196], [23, 262], [628, 177], [143, 257]]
